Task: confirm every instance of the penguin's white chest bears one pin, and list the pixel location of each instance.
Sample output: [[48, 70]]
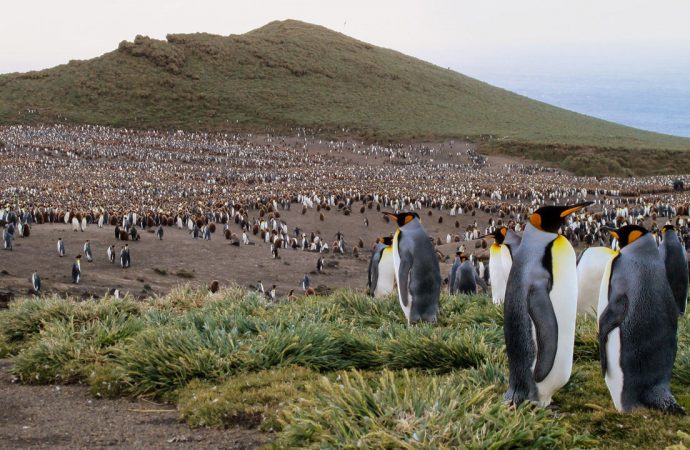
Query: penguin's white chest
[[497, 275], [589, 278], [563, 296], [396, 263], [386, 279], [614, 371]]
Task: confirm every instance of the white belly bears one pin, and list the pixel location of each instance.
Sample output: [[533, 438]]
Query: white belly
[[385, 282], [497, 275], [590, 272], [614, 373], [564, 300], [396, 265]]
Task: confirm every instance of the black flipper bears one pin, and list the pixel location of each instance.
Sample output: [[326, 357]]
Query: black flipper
[[404, 279], [542, 314], [610, 319], [374, 274]]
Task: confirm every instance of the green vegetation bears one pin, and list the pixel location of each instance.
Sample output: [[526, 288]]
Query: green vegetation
[[288, 74], [340, 371]]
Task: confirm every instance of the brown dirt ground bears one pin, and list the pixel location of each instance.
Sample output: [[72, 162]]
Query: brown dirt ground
[[208, 260], [67, 417]]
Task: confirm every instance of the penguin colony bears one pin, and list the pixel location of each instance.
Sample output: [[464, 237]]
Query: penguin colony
[[401, 260]]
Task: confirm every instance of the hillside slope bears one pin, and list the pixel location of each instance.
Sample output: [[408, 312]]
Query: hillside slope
[[288, 74]]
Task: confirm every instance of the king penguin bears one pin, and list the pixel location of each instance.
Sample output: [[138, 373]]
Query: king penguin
[[540, 308], [506, 242], [76, 270], [466, 278], [61, 247], [417, 272], [675, 259], [590, 272], [381, 281], [36, 282], [638, 321]]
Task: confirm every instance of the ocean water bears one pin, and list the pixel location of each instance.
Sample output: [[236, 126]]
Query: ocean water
[[654, 102]]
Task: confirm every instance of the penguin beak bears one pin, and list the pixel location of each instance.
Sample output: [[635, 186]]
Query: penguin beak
[[572, 209]]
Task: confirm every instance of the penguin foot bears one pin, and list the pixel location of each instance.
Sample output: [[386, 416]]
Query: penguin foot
[[662, 399], [514, 398]]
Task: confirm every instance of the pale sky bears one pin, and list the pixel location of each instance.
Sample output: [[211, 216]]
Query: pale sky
[[468, 36]]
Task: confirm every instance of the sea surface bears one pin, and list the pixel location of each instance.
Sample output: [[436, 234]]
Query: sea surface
[[654, 102]]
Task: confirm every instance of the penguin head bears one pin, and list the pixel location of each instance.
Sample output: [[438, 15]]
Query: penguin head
[[388, 240], [403, 218], [627, 235], [666, 228], [550, 218], [499, 235]]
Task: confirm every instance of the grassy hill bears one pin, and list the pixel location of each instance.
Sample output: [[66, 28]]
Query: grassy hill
[[290, 73]]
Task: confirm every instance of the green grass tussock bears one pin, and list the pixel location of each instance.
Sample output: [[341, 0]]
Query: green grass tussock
[[252, 401], [409, 410], [339, 371]]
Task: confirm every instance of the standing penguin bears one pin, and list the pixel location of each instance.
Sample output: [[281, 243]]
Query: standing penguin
[[466, 278], [540, 308], [381, 279], [61, 247], [452, 272], [36, 282], [417, 271], [159, 232], [590, 271], [305, 282], [76, 270], [111, 254], [320, 264], [7, 240], [87, 251], [506, 242], [638, 321], [127, 258], [672, 252]]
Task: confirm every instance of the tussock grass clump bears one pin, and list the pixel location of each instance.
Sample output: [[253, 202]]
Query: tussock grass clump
[[250, 401], [410, 410], [158, 361], [341, 370], [317, 347], [68, 350], [27, 317], [435, 349]]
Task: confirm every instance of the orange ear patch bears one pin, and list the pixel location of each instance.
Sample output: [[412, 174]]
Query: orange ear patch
[[633, 236], [409, 218], [504, 231], [535, 220]]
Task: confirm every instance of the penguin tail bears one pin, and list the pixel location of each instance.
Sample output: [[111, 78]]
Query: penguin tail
[[661, 398]]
